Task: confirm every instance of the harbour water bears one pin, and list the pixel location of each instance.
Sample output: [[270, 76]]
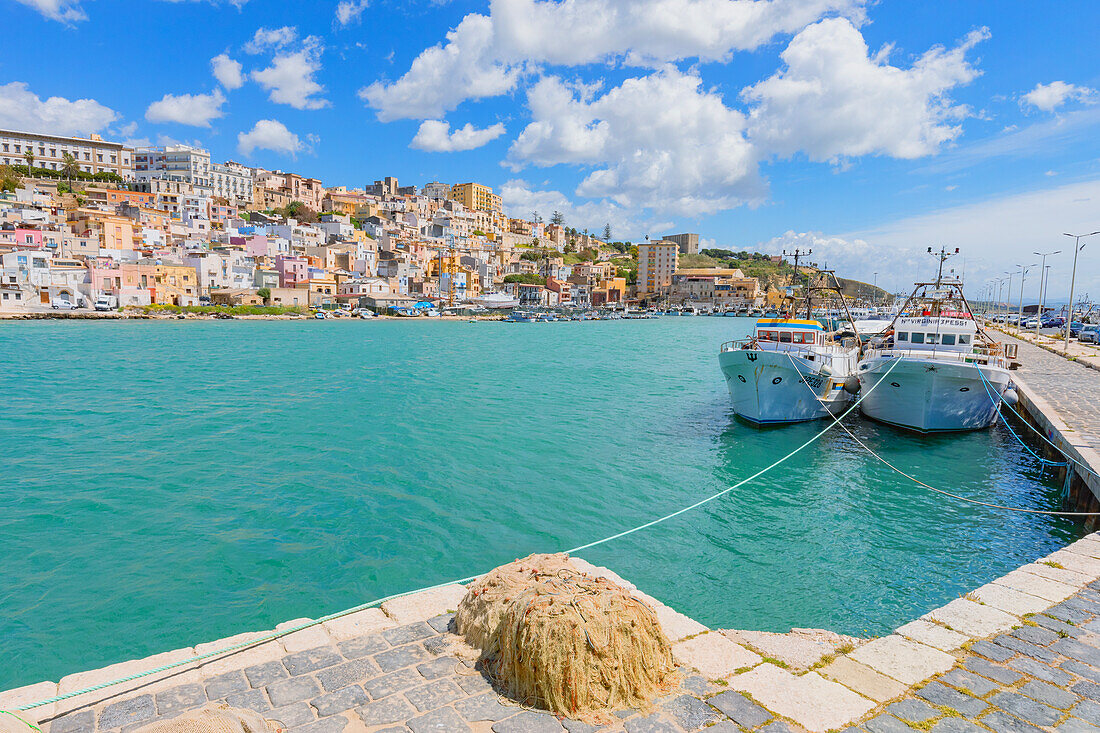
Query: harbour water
[[168, 483]]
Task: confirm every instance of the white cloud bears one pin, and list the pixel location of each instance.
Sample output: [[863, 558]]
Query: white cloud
[[521, 200], [834, 100], [658, 141], [227, 71], [64, 11], [21, 109], [485, 55], [443, 76], [187, 109], [268, 38], [1049, 97], [436, 136], [350, 10], [289, 79], [991, 233], [269, 135]]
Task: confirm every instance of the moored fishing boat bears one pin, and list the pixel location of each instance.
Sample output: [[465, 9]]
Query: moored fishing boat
[[946, 372], [789, 371]]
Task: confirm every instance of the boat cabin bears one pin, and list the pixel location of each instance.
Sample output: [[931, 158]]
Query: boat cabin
[[935, 332], [790, 331]]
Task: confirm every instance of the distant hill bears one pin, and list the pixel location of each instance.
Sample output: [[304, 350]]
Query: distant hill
[[864, 291]]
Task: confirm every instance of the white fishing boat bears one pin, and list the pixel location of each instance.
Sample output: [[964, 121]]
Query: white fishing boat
[[789, 371], [945, 372]]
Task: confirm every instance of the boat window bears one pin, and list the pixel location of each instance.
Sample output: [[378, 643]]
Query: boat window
[[932, 338], [964, 338], [903, 336], [784, 337], [948, 339], [918, 338], [766, 336], [808, 338]]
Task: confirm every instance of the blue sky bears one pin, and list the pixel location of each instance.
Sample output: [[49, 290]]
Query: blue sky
[[867, 130]]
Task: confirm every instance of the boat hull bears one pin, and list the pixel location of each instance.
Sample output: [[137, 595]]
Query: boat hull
[[771, 388], [931, 396]]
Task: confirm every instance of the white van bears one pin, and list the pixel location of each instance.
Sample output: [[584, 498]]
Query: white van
[[106, 303]]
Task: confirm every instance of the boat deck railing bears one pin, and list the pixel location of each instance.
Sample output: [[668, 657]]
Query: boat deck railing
[[985, 355], [802, 350]]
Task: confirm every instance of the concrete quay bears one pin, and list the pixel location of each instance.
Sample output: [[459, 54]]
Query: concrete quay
[[1061, 398], [1018, 655]]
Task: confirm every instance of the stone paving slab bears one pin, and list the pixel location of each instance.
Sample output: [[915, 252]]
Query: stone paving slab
[[986, 662]]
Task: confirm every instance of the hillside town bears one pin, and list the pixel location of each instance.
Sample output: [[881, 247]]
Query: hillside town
[[85, 221]]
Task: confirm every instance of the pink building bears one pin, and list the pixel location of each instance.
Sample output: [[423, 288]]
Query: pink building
[[293, 271], [258, 245], [31, 238]]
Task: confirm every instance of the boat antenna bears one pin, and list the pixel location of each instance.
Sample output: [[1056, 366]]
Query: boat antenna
[[796, 255], [943, 255]]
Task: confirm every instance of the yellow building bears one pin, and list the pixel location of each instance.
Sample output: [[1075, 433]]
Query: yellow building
[[112, 231], [176, 285], [656, 265], [476, 197]]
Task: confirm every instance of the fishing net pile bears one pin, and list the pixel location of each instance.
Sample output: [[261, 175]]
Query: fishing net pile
[[555, 638]]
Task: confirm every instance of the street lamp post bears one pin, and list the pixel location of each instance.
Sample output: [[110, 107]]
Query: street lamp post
[[1077, 247], [1042, 287], [1020, 314], [1008, 298]]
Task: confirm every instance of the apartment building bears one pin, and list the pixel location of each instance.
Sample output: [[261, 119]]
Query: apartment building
[[93, 154], [476, 197], [656, 265], [175, 163], [436, 190], [232, 181]]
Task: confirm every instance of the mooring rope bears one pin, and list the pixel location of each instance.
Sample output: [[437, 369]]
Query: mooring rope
[[996, 404], [1070, 460], [379, 601], [917, 481]]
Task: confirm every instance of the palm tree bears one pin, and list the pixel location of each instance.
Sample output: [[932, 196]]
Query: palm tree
[[69, 168], [29, 157]]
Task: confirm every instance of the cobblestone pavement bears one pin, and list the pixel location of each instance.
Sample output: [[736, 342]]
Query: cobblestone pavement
[[1072, 389], [1043, 675], [1020, 654]]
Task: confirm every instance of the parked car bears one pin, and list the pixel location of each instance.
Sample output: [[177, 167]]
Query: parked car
[[63, 304], [1089, 335], [1031, 323], [1075, 328]]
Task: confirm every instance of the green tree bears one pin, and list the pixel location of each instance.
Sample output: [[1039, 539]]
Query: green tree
[[29, 157], [8, 180], [607, 232], [557, 219], [264, 293], [70, 168], [525, 278]]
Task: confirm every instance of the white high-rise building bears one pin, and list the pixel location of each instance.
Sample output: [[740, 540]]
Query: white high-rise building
[[232, 181], [174, 163]]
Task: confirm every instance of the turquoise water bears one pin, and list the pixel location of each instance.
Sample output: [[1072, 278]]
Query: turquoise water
[[170, 483]]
